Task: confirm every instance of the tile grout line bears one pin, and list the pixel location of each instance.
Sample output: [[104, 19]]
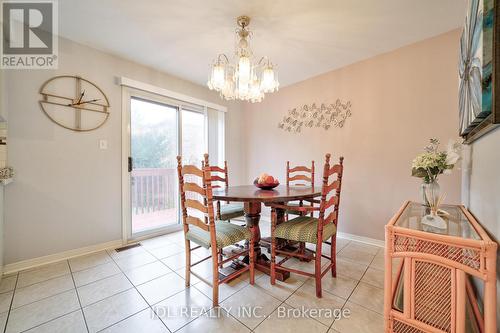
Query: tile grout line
[[78, 297], [57, 317], [52, 278], [137, 290], [64, 291], [293, 307], [305, 281], [53, 319], [43, 298], [248, 285], [352, 292], [189, 322], [11, 301], [361, 305]]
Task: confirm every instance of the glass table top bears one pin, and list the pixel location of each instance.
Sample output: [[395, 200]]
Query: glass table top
[[457, 224]]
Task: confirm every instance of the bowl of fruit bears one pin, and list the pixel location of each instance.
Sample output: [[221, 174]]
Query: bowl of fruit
[[266, 182]]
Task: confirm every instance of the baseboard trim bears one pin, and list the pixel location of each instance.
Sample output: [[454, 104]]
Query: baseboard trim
[[51, 258], [361, 239]]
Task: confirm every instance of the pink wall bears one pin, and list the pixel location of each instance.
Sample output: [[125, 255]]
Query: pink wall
[[399, 100]]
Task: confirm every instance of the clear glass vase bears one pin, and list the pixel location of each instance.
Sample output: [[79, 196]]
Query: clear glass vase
[[430, 192]]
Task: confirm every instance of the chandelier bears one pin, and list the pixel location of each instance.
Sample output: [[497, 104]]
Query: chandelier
[[245, 79]]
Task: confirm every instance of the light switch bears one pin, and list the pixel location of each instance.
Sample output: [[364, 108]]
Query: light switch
[[103, 144]]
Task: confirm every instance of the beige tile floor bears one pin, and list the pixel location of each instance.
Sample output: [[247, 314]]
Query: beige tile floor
[[142, 290]]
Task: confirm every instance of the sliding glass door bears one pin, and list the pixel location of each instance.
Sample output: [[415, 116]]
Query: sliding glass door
[[158, 129], [154, 142]]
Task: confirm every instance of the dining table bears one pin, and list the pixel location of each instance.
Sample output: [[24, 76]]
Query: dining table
[[253, 199]]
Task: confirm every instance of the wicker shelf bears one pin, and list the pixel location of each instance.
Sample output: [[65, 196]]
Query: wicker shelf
[[429, 290]]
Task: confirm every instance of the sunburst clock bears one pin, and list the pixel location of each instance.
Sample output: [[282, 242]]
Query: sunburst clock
[[74, 103]]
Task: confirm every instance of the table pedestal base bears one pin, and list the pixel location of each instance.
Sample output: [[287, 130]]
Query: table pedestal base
[[262, 262]]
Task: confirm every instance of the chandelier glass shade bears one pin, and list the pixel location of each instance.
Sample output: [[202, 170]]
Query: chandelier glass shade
[[243, 79]]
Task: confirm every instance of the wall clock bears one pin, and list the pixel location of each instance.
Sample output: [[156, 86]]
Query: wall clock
[[74, 103]]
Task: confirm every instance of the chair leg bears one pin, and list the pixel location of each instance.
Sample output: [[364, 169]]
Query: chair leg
[[317, 268], [273, 247], [333, 255], [221, 258], [251, 258], [302, 248], [187, 245], [215, 277]]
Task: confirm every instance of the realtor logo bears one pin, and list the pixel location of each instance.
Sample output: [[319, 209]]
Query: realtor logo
[[29, 35]]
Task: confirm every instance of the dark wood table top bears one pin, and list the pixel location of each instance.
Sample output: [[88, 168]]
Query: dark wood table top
[[250, 193]]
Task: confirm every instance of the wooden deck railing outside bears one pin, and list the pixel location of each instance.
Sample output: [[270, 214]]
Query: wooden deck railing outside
[[154, 190]]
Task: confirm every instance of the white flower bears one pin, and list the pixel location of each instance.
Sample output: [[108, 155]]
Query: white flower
[[453, 152], [452, 158]]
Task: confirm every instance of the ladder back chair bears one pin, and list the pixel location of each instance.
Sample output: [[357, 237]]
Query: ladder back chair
[[309, 229], [200, 228], [229, 210], [298, 176]]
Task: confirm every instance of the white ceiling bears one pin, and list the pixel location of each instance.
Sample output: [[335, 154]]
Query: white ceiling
[[304, 37]]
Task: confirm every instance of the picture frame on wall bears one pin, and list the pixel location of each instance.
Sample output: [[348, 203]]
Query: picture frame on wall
[[479, 70]]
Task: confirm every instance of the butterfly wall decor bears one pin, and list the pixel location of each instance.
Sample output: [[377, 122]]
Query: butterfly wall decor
[[323, 116]]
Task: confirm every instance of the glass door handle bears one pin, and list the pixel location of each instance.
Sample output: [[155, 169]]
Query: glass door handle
[[130, 164]]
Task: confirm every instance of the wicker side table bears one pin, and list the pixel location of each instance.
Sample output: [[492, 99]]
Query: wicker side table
[[429, 290]]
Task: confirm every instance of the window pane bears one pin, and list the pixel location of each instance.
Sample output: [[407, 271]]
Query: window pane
[[193, 137]]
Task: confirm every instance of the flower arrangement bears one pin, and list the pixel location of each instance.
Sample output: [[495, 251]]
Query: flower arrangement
[[430, 164]]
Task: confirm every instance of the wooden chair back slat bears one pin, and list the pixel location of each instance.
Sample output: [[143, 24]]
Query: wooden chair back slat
[[197, 222], [337, 168], [300, 169], [195, 204], [214, 168], [193, 187], [332, 217], [300, 177], [218, 179], [333, 186], [192, 170], [334, 200]]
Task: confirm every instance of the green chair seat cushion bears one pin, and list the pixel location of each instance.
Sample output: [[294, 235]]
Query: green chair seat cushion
[[304, 229], [226, 234], [231, 211]]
